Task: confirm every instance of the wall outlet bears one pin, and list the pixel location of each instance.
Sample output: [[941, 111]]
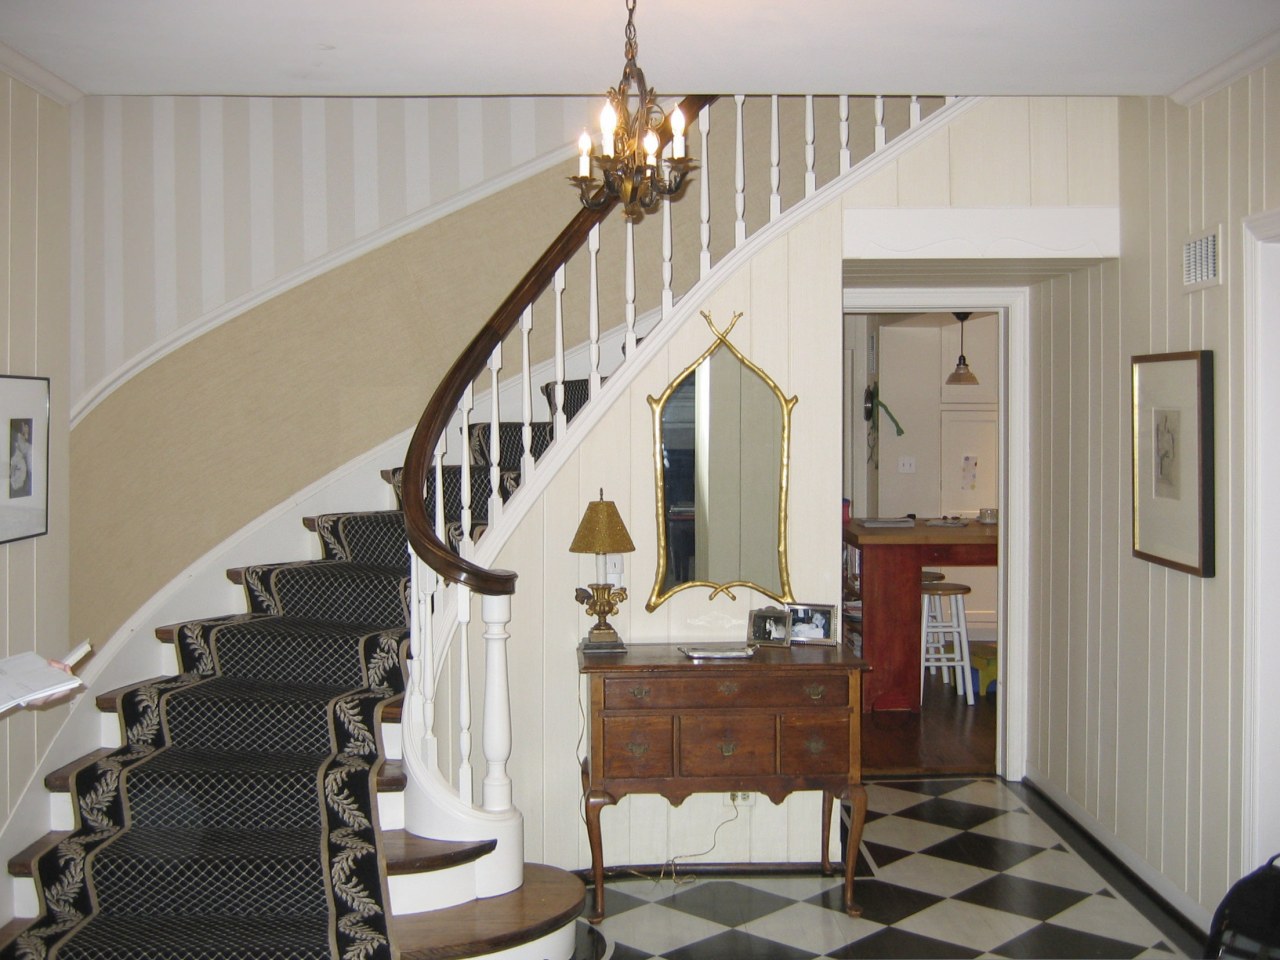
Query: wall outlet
[[740, 798], [906, 464]]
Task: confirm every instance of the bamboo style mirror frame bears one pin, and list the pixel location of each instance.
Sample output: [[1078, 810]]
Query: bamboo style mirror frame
[[721, 453]]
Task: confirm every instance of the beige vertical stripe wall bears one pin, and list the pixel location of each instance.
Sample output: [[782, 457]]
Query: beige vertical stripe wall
[[187, 208], [33, 342], [1137, 670]]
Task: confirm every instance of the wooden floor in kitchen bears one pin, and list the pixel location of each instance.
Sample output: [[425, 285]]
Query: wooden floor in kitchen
[[947, 736]]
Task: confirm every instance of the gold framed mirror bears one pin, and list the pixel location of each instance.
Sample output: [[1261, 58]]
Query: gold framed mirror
[[721, 453]]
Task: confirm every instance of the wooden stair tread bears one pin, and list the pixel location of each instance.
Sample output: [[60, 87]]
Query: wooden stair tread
[[549, 899], [22, 863], [409, 853], [10, 931], [391, 775], [404, 852], [59, 781]]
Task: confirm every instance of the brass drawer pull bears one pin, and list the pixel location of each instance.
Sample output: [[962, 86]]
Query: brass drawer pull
[[728, 748], [637, 749], [727, 687], [815, 691], [640, 692], [815, 745]]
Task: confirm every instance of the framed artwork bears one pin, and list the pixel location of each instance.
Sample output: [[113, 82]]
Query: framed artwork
[[1173, 460], [769, 627], [813, 623], [24, 418]]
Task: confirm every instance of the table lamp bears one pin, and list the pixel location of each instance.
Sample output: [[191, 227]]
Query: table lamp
[[601, 532]]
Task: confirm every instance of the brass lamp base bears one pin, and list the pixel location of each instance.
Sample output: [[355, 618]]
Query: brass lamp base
[[601, 600]]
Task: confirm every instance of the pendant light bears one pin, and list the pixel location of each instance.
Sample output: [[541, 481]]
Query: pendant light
[[961, 375]]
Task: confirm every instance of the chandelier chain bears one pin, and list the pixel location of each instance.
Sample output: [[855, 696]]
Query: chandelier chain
[[632, 48]]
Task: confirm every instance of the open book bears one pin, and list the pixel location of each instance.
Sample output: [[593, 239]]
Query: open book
[[28, 676]]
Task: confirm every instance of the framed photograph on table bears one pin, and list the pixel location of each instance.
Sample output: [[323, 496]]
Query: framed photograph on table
[[1173, 460], [24, 419], [769, 627], [813, 623]]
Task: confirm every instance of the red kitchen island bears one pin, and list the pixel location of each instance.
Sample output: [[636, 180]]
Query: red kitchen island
[[890, 562]]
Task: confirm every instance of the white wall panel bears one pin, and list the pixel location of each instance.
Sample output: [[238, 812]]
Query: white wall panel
[[34, 587], [192, 207]]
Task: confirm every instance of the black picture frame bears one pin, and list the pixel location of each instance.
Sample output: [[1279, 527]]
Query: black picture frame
[[1173, 482]]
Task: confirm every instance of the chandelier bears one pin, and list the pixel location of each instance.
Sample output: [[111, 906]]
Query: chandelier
[[632, 168]]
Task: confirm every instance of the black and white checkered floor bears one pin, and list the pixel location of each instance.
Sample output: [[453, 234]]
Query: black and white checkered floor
[[949, 868]]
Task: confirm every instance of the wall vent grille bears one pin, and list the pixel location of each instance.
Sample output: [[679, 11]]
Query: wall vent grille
[[1200, 262]]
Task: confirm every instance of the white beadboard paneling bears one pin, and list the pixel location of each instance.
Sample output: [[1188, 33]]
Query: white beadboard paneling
[[34, 261]]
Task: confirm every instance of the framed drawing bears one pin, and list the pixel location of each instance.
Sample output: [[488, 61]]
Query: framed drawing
[[814, 623], [769, 627], [1173, 460], [24, 418]]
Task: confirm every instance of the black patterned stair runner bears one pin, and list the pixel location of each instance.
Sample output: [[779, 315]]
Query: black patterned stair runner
[[238, 819]]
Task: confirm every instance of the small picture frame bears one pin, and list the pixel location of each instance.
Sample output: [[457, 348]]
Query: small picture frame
[[769, 627], [24, 417], [814, 623]]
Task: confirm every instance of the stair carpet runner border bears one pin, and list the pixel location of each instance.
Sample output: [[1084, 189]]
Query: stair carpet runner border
[[238, 820]]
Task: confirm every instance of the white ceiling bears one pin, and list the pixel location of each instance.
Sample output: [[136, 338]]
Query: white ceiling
[[433, 47]]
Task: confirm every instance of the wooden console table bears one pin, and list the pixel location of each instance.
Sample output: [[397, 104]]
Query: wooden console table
[[892, 558], [787, 719]]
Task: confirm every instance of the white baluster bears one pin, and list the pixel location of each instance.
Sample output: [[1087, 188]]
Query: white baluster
[[880, 141], [593, 308], [495, 437], [629, 306], [668, 298], [558, 285], [496, 793], [915, 110], [846, 159], [464, 409], [438, 467], [775, 165], [526, 393], [704, 193], [740, 179], [810, 174], [422, 656], [465, 789]]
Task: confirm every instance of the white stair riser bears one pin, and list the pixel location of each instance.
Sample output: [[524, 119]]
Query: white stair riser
[[558, 945], [392, 742], [433, 890], [391, 810]]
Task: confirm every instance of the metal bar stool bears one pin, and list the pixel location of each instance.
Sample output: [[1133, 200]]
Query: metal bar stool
[[945, 643]]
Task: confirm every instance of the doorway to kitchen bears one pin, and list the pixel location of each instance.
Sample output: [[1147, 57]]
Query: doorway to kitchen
[[923, 347]]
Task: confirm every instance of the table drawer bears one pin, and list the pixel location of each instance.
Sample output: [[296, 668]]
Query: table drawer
[[727, 745], [638, 747], [814, 745], [739, 689]]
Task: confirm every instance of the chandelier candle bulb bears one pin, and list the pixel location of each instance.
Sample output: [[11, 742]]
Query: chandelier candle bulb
[[608, 127], [677, 134], [651, 148], [584, 154]]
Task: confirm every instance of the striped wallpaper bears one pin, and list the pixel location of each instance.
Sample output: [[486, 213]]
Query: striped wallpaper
[[187, 210]]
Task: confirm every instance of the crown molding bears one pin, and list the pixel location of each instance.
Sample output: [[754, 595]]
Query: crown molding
[[37, 77], [1228, 72]]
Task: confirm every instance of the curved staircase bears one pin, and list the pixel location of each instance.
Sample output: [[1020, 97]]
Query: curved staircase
[[240, 817], [305, 785]]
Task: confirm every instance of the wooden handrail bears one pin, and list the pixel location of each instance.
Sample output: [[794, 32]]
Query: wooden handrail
[[424, 539]]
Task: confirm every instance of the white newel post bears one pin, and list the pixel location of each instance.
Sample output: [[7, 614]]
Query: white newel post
[[496, 612]]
